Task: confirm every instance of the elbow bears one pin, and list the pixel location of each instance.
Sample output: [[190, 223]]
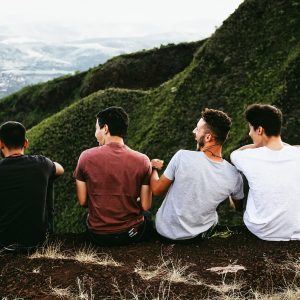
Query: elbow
[[59, 169], [82, 203], [82, 200], [156, 191], [146, 203], [146, 207]]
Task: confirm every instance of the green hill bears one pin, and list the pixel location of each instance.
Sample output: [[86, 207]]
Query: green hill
[[253, 57], [141, 70]]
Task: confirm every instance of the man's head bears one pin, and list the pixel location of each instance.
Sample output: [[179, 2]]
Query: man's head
[[12, 135], [212, 128], [264, 120], [113, 121]]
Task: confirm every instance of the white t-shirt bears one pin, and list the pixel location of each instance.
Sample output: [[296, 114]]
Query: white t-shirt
[[273, 205], [199, 185]]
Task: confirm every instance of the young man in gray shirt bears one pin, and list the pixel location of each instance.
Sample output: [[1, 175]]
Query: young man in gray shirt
[[196, 182]]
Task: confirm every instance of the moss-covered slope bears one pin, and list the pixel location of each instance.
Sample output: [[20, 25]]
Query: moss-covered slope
[[140, 70], [253, 57]]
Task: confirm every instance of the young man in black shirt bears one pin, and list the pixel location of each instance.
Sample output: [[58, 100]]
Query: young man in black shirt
[[26, 190]]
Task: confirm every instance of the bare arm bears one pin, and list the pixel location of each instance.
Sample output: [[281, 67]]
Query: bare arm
[[146, 197], [81, 190], [59, 170], [159, 185]]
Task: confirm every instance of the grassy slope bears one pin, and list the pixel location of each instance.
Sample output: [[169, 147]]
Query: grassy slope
[[253, 57], [141, 70]]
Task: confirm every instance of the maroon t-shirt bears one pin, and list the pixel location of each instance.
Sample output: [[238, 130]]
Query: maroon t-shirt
[[114, 175]]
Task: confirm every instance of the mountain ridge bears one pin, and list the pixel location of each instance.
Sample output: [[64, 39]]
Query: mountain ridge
[[253, 57]]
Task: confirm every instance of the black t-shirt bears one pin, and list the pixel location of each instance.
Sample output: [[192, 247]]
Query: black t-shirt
[[24, 181]]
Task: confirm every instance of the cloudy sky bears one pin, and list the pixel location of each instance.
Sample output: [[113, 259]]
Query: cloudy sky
[[79, 19]]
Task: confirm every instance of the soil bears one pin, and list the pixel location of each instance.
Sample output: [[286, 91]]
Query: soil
[[254, 266]]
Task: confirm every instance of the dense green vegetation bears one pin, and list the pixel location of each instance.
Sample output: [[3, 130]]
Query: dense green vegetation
[[141, 70], [253, 57]]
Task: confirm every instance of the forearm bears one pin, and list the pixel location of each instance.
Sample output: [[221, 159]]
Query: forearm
[[154, 183], [146, 197], [159, 185], [82, 194]]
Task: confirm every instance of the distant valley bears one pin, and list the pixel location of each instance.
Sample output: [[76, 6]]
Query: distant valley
[[28, 61]]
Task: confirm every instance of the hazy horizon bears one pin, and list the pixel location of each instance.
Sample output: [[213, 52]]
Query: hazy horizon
[[41, 40], [66, 20]]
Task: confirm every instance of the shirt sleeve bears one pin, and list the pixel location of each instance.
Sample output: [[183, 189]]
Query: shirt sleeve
[[79, 172], [238, 192], [172, 167], [50, 167], [236, 157], [148, 168]]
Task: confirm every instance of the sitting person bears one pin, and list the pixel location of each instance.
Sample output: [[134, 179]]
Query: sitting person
[[113, 182], [196, 182], [272, 169], [26, 195]]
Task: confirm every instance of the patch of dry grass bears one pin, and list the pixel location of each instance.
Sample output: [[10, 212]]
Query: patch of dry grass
[[83, 290], [164, 293], [85, 255], [228, 290], [169, 270], [89, 255], [50, 251]]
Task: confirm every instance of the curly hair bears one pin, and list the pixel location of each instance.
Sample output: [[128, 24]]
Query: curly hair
[[218, 123]]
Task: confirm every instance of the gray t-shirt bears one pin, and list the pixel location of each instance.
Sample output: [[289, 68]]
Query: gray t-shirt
[[199, 185]]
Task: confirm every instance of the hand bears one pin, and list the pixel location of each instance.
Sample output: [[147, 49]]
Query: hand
[[157, 163]]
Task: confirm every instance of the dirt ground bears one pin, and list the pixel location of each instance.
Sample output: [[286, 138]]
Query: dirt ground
[[153, 269]]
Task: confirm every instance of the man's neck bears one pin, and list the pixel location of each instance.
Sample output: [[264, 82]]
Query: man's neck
[[114, 139], [273, 142], [213, 151], [12, 152]]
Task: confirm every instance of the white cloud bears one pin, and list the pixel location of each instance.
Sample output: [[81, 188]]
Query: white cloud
[[77, 18]]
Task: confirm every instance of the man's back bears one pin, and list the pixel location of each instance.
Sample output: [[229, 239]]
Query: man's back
[[114, 175], [23, 192], [273, 206], [199, 185]]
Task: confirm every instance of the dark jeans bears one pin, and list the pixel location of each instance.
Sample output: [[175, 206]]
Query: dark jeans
[[20, 248], [132, 235], [204, 235]]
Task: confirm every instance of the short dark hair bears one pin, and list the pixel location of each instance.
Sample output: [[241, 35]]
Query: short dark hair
[[12, 134], [267, 116], [116, 119], [218, 123]]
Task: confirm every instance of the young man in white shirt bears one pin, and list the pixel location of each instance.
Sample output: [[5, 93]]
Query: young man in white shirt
[[196, 182], [272, 169]]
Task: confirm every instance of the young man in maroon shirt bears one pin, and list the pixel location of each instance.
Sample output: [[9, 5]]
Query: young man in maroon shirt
[[113, 182]]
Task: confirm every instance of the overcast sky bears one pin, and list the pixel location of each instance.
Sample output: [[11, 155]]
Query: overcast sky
[[78, 19]]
